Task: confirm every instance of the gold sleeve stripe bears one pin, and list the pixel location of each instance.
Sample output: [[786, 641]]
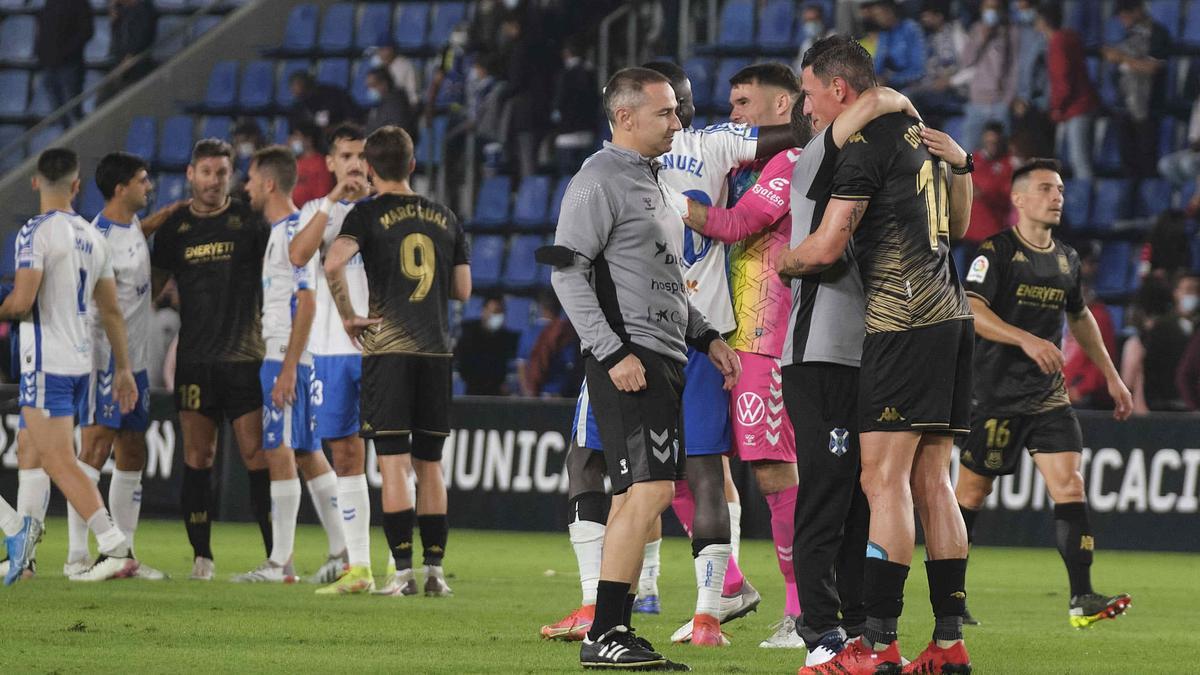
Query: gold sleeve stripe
[[851, 198]]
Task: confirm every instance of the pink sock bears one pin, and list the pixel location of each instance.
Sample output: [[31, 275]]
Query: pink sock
[[733, 578], [783, 531], [685, 510]]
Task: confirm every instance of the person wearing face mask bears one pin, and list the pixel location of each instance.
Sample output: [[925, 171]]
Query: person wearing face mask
[[993, 50], [313, 179], [941, 92], [485, 349], [404, 75], [1187, 375], [992, 210], [389, 105]]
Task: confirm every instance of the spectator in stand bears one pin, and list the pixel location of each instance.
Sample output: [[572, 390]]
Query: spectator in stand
[[1032, 86], [1187, 300], [404, 74], [814, 26], [992, 209], [548, 309], [1141, 60], [576, 100], [448, 84], [1187, 376], [64, 28], [485, 349], [313, 179], [1084, 380], [941, 92], [1073, 97], [1151, 357], [247, 138], [992, 49], [389, 105], [900, 50], [487, 111], [323, 105], [1183, 167], [134, 28], [546, 354], [531, 78], [483, 33], [1168, 250]]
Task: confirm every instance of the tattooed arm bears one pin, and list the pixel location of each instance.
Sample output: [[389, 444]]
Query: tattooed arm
[[823, 248], [340, 253]]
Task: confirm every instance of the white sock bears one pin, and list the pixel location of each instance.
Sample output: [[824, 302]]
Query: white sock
[[355, 502], [648, 583], [587, 538], [10, 520], [323, 490], [735, 528], [285, 504], [33, 493], [125, 501], [109, 539], [77, 529], [710, 577]]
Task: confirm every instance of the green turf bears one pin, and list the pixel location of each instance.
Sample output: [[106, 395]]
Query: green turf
[[507, 584]]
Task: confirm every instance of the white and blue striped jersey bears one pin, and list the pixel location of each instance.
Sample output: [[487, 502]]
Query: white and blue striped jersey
[[72, 255], [281, 280], [130, 258], [328, 337]]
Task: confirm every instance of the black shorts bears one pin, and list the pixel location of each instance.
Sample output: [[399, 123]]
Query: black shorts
[[642, 432], [993, 448], [917, 380], [405, 393], [219, 390], [822, 400]]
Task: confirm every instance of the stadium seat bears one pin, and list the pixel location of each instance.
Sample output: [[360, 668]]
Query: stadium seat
[[954, 126], [171, 6], [175, 143], [521, 270], [358, 82], [775, 27], [429, 147], [1084, 17], [202, 26], [222, 86], [1117, 314], [533, 201], [337, 29], [492, 204], [446, 15], [1077, 198], [16, 39], [736, 32], [255, 92], [1153, 197], [556, 200], [283, 94], [12, 5], [518, 313], [473, 308], [45, 138], [8, 255], [217, 127], [1167, 13], [14, 92], [487, 256], [300, 34], [1112, 278], [1169, 136], [410, 26], [8, 134], [374, 25], [1112, 201], [143, 131], [700, 71], [1105, 77], [280, 131], [91, 201], [90, 79], [1186, 192], [170, 188], [726, 69], [99, 49], [1114, 32], [334, 71], [1107, 159], [1190, 36]]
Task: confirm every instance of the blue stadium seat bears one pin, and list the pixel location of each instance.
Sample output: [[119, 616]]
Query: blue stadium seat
[[337, 29], [14, 92], [45, 138], [1153, 197], [257, 80], [1117, 313], [40, 104], [1168, 134], [954, 127], [473, 309], [143, 131], [487, 256], [556, 199], [283, 94], [699, 121], [1190, 36], [775, 26], [12, 5], [518, 312], [175, 142], [217, 127], [222, 86], [700, 72], [1083, 17], [202, 26], [410, 26], [90, 79], [334, 71], [726, 69], [1107, 159], [300, 34], [1186, 192], [358, 82], [1104, 75], [446, 15], [374, 25], [8, 255], [1167, 13], [492, 204], [1112, 200], [91, 201], [8, 134], [170, 188], [429, 147], [1077, 202], [280, 131], [175, 6], [521, 270], [533, 201], [99, 49], [736, 30], [16, 39], [1114, 32], [1112, 277]]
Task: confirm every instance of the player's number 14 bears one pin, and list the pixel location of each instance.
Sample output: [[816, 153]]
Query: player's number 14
[[931, 183]]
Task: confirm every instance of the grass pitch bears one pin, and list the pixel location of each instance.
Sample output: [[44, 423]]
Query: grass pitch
[[508, 584]]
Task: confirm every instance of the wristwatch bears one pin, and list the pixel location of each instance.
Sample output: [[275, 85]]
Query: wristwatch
[[969, 167]]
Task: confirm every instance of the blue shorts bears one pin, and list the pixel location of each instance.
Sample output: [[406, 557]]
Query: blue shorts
[[104, 410], [58, 395], [335, 394], [293, 426], [706, 424]]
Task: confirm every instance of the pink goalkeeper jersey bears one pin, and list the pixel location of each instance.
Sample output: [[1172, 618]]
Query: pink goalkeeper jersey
[[758, 228]]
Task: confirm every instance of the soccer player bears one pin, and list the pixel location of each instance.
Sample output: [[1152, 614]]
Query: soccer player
[[896, 200], [337, 363], [1019, 286], [125, 185], [62, 263], [416, 259], [214, 249]]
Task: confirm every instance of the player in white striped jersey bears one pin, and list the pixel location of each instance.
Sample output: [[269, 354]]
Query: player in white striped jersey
[[62, 261], [286, 376], [336, 360]]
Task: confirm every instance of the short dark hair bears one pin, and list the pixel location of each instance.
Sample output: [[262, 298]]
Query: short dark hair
[[211, 147], [117, 168], [56, 164], [302, 76], [383, 75], [346, 131], [801, 124], [937, 6], [628, 83], [841, 56], [1123, 6], [389, 151], [278, 161], [1035, 164], [769, 74], [994, 125], [1051, 13], [668, 69]]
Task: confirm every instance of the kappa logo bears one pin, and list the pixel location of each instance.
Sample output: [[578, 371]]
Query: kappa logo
[[839, 441], [659, 445], [1087, 542], [1019, 257], [890, 414], [856, 137], [750, 408]]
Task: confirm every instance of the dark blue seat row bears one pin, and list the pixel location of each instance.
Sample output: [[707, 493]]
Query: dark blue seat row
[[497, 260], [536, 206], [348, 27]]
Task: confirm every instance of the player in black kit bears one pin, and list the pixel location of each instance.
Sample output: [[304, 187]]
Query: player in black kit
[[214, 247], [416, 259], [1019, 285]]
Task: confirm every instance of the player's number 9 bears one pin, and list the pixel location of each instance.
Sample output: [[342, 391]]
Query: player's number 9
[[937, 208], [417, 262]]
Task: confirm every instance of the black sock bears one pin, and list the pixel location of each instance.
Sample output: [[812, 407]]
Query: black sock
[[1073, 532], [260, 502], [947, 596], [610, 605], [590, 506], [969, 516], [883, 592], [435, 528], [398, 528], [627, 611], [194, 501]]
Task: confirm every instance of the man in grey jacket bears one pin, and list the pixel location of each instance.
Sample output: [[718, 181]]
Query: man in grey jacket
[[618, 276]]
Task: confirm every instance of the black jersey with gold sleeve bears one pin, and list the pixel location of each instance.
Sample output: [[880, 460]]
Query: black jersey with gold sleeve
[[216, 260], [1030, 288], [409, 246], [903, 240]]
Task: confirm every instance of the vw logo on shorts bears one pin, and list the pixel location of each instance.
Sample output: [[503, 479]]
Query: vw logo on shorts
[[750, 408]]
